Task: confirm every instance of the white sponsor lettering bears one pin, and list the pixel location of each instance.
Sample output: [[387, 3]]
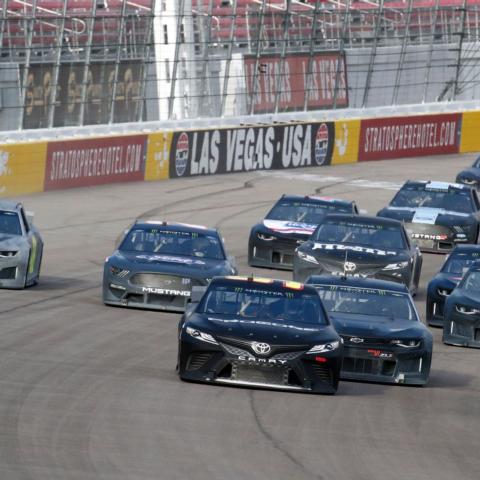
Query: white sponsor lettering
[[267, 361], [166, 291], [289, 227], [353, 248]]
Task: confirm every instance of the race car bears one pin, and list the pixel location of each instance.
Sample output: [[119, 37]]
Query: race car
[[461, 324], [259, 333], [384, 339], [360, 246], [470, 176], [437, 215], [21, 247], [158, 263], [288, 224], [443, 283]]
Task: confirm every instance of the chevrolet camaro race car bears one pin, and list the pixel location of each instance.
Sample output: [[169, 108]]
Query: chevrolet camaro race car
[[158, 263], [360, 246], [260, 333], [384, 339], [461, 324], [21, 247], [437, 215], [443, 283], [288, 224], [470, 176]]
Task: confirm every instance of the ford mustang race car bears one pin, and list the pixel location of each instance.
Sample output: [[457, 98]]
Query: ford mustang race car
[[360, 246], [384, 339], [288, 224], [461, 324], [158, 263], [443, 283], [21, 247], [260, 333], [470, 176], [437, 215]]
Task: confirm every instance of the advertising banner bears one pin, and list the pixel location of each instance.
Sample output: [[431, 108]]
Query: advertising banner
[[96, 161], [470, 138], [347, 134], [208, 152], [386, 138], [158, 155], [320, 80], [22, 168]]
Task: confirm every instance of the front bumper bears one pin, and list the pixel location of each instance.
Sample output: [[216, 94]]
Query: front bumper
[[229, 365], [462, 330], [276, 254], [13, 271], [379, 363], [436, 238]]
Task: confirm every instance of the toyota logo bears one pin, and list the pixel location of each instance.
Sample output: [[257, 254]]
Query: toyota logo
[[356, 340], [350, 266], [261, 348]]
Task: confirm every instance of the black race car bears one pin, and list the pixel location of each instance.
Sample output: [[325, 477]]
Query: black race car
[[360, 246], [384, 339], [260, 333], [158, 263], [288, 224], [437, 215], [443, 283], [470, 176], [461, 324]]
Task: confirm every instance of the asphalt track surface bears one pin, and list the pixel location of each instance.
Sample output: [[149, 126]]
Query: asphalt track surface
[[90, 392]]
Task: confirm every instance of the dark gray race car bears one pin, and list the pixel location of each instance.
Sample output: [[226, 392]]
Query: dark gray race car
[[158, 263], [21, 247], [471, 176]]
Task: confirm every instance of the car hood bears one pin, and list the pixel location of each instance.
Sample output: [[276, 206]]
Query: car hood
[[464, 297], [431, 216], [279, 333], [176, 264], [447, 280], [288, 228], [8, 241], [368, 326]]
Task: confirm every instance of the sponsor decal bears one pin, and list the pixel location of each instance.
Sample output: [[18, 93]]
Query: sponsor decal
[[261, 348], [379, 353], [357, 340], [426, 215], [426, 236], [80, 163], [289, 227], [350, 267], [210, 152], [347, 135], [353, 248], [263, 323], [170, 258], [166, 291], [158, 156], [296, 80], [384, 138], [263, 361]]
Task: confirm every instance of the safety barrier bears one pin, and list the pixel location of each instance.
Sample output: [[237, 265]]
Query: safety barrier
[[48, 165]]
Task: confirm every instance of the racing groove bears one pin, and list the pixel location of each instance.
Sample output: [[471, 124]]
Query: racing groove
[[90, 392]]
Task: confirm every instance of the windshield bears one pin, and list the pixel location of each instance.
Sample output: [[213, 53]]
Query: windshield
[[460, 262], [471, 282], [356, 233], [172, 242], [10, 223], [303, 211], [366, 301], [285, 306], [414, 196]]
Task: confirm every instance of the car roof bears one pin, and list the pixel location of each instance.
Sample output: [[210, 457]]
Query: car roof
[[10, 205], [359, 282], [261, 282], [434, 185], [176, 226], [317, 199], [365, 218], [466, 248]]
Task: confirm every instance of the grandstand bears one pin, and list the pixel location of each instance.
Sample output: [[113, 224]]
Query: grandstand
[[83, 62]]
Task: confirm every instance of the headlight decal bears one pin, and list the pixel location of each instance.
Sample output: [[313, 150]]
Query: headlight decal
[[199, 335]]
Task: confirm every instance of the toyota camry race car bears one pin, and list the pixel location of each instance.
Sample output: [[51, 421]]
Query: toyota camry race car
[[384, 339], [461, 325], [443, 283], [437, 215], [288, 224], [158, 263], [21, 247], [360, 246], [260, 333], [470, 176]]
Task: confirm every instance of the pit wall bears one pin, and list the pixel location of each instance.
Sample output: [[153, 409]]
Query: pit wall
[[33, 167]]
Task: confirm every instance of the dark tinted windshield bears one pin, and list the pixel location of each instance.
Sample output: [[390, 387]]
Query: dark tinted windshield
[[471, 282], [10, 223], [357, 233], [172, 242], [289, 307], [304, 211], [366, 301], [414, 196], [460, 262]]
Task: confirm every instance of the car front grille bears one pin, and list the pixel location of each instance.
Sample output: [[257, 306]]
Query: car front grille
[[8, 273], [347, 340], [368, 366], [265, 375]]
